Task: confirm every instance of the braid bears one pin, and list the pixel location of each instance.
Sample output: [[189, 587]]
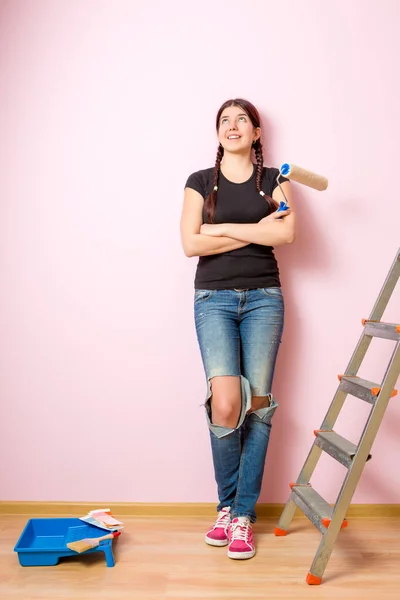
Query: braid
[[211, 200], [259, 174]]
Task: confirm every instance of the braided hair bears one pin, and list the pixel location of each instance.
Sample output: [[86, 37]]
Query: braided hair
[[211, 200], [252, 112]]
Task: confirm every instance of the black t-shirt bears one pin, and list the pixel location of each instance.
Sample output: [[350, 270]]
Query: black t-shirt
[[253, 266]]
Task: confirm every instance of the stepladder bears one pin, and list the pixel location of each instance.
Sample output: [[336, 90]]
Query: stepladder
[[330, 519]]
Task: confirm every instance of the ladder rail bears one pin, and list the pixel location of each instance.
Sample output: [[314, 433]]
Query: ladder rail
[[354, 473], [364, 342], [372, 426], [387, 290], [309, 502]]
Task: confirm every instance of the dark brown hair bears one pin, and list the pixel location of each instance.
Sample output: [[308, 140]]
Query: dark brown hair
[[252, 112]]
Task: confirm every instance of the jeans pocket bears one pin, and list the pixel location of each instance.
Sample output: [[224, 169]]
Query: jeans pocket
[[202, 295], [273, 291]]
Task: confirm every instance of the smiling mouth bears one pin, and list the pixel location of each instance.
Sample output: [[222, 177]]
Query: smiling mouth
[[233, 137]]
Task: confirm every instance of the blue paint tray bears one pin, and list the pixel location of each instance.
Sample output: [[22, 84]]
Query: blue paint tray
[[44, 541]]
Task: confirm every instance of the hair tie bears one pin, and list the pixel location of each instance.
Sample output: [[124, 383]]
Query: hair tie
[[215, 188], [262, 193]]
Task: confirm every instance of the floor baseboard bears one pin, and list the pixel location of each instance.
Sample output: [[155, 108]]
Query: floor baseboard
[[172, 509]]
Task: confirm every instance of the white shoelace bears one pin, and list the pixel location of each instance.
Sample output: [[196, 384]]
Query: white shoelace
[[241, 529], [223, 519]]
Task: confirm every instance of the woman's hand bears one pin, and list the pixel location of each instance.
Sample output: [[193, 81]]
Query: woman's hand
[[213, 230], [276, 215], [219, 230]]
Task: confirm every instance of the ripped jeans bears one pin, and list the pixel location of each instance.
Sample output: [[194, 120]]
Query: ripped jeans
[[239, 333]]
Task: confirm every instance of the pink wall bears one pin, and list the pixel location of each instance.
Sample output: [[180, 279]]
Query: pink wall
[[105, 108]]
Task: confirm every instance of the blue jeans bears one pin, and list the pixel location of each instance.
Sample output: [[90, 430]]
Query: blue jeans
[[239, 333]]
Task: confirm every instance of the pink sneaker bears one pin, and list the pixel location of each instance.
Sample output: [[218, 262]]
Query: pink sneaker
[[217, 536], [241, 544]]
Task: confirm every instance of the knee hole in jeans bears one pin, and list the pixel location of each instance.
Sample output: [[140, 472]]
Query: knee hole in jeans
[[225, 401]]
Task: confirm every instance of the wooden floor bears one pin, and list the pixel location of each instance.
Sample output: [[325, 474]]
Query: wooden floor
[[167, 558]]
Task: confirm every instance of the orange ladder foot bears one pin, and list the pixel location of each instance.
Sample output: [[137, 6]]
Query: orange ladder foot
[[313, 580], [279, 531], [327, 522]]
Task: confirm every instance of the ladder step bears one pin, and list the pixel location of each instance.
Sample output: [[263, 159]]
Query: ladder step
[[388, 331], [315, 508], [360, 388], [337, 446]]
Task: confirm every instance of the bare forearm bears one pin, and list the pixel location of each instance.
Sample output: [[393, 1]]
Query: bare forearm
[[206, 245], [274, 233]]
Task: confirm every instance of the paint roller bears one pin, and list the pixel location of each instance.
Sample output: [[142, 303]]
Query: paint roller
[[300, 175]]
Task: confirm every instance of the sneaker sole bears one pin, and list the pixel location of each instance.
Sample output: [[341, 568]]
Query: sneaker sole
[[212, 542], [241, 555]]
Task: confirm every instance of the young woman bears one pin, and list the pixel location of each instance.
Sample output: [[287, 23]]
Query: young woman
[[229, 220]]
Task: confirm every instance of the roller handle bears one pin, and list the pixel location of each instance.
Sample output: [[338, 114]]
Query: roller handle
[[282, 206]]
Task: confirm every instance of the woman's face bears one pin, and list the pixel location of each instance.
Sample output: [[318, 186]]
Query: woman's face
[[236, 132]]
